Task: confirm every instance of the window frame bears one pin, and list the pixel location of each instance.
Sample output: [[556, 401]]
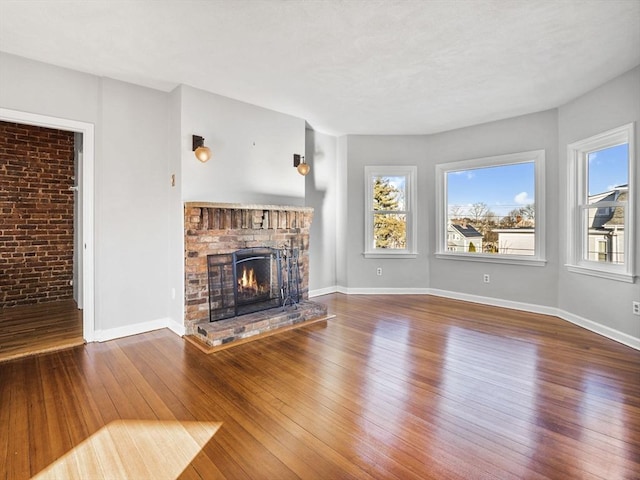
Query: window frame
[[538, 159], [577, 202], [410, 173]]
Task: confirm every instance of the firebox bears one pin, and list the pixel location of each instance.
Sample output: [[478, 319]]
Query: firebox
[[245, 281]]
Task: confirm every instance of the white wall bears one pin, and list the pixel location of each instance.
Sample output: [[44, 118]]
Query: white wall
[[143, 136], [130, 189], [252, 163], [606, 302], [252, 151], [320, 193], [341, 213], [36, 87], [175, 213], [132, 199]]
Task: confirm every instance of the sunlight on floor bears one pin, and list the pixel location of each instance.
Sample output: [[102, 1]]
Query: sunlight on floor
[[134, 449]]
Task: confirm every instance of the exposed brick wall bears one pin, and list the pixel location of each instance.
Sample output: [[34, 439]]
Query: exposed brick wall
[[36, 225], [225, 228]]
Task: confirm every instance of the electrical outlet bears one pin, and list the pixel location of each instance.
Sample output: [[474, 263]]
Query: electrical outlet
[[636, 308], [379, 271], [486, 278]]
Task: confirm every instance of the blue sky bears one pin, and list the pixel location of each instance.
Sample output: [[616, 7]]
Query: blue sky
[[502, 188], [608, 168], [506, 187]]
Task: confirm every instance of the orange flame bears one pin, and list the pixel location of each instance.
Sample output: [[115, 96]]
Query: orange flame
[[248, 279]]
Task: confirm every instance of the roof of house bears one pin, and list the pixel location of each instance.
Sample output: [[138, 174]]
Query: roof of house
[[467, 230], [617, 218], [608, 217]]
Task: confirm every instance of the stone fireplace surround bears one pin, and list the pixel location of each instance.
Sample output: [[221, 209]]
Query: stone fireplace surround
[[215, 228]]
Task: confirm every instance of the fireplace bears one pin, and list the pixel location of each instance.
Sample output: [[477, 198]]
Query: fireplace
[[245, 281], [214, 232], [246, 271]]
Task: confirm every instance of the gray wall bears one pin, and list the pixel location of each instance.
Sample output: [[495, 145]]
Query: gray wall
[[385, 150], [607, 302], [143, 136], [527, 284], [320, 193], [536, 285]]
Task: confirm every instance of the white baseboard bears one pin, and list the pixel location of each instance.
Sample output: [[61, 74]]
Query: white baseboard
[[322, 291], [383, 291], [175, 327], [595, 327], [128, 330], [495, 302], [616, 335], [603, 330]]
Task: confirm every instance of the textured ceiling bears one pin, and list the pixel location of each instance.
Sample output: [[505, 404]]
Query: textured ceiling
[[347, 67]]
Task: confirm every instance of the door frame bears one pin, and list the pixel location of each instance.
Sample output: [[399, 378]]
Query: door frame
[[86, 190]]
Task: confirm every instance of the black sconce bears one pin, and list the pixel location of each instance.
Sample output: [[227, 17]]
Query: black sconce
[[202, 152], [300, 164]]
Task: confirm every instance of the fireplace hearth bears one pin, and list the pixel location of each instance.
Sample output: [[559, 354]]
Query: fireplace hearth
[[246, 271]]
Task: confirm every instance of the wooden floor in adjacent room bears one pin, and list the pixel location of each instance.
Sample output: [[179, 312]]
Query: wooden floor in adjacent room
[[31, 329], [398, 387]]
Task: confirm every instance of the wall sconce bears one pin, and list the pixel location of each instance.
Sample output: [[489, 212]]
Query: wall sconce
[[300, 164], [203, 153]]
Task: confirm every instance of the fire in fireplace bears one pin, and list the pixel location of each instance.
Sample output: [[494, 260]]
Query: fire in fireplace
[[245, 281], [256, 275]]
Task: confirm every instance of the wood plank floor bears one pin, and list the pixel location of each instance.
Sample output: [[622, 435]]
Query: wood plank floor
[[30, 329], [398, 387]]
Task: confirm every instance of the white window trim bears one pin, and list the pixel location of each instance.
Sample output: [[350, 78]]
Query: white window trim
[[577, 184], [536, 156], [411, 172]]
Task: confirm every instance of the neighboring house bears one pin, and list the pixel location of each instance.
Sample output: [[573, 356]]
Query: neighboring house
[[606, 230], [516, 241], [463, 238], [606, 226]]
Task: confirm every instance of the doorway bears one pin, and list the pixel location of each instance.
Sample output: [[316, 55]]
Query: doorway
[[64, 274]]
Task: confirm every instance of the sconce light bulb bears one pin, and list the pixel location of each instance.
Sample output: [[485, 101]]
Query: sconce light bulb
[[303, 168], [203, 154]]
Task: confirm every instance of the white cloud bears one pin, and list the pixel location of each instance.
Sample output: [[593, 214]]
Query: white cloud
[[522, 198]]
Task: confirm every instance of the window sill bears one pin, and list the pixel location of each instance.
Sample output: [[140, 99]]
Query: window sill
[[484, 258], [596, 272], [390, 255]]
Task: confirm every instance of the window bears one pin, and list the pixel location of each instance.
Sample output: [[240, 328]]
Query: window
[[390, 221], [600, 226], [492, 209]]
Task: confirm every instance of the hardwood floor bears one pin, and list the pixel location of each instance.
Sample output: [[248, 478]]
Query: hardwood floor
[[30, 329], [399, 387]]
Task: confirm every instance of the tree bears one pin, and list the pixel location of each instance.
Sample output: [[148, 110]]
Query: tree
[[529, 211], [455, 212], [389, 227], [478, 211]]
